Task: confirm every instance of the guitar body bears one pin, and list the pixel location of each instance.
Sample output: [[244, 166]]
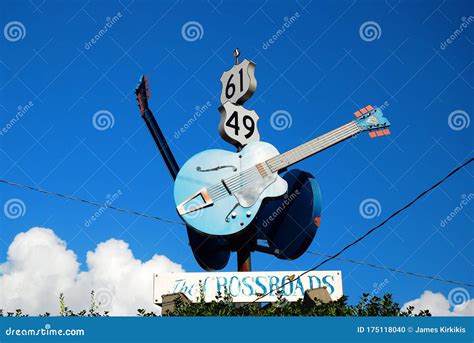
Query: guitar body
[[219, 193], [224, 213]]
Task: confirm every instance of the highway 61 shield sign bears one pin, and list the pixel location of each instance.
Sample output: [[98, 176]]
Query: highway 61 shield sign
[[238, 83]]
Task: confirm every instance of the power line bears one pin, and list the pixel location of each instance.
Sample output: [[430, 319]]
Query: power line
[[396, 270], [329, 257], [373, 229], [64, 196]]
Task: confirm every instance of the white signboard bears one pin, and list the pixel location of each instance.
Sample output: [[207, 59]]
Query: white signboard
[[246, 287]]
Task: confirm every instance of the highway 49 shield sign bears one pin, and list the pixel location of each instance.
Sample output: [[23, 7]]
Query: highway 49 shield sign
[[238, 125]]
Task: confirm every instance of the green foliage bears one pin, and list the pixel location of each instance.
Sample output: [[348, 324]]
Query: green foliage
[[224, 306], [64, 311], [92, 312], [17, 313]]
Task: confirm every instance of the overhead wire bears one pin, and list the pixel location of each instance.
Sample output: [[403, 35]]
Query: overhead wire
[[331, 257], [395, 270], [94, 203]]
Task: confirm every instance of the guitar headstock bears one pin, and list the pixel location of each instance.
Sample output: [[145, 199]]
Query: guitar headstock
[[143, 93], [372, 120]]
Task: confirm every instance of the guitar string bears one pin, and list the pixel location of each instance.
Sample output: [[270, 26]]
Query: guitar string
[[218, 191], [323, 137], [240, 183], [344, 131], [232, 177], [289, 159], [219, 185], [309, 146], [223, 191], [236, 177], [252, 176], [250, 181], [331, 137]]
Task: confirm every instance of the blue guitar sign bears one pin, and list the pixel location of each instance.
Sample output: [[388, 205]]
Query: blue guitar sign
[[218, 192]]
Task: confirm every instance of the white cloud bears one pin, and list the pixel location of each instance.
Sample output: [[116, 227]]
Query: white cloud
[[439, 305], [39, 267]]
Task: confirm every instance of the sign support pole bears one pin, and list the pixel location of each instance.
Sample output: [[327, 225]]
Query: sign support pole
[[244, 260]]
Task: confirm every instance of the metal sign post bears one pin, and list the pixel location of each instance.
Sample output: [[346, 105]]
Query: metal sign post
[[238, 125], [244, 260]]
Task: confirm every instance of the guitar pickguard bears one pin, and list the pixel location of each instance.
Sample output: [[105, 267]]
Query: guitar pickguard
[[249, 195]]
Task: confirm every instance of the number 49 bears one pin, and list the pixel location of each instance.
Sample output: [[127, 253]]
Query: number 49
[[247, 121]]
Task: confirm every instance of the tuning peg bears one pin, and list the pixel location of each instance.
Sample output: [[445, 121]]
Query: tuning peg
[[363, 110], [379, 133]]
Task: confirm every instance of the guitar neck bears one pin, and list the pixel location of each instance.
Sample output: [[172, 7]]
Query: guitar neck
[[312, 147]]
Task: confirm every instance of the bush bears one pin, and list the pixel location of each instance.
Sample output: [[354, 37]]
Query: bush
[[224, 306]]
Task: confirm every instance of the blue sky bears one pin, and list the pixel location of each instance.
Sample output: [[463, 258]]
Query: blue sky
[[320, 70]]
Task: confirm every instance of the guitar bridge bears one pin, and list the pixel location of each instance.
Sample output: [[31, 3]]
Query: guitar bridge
[[197, 201]]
